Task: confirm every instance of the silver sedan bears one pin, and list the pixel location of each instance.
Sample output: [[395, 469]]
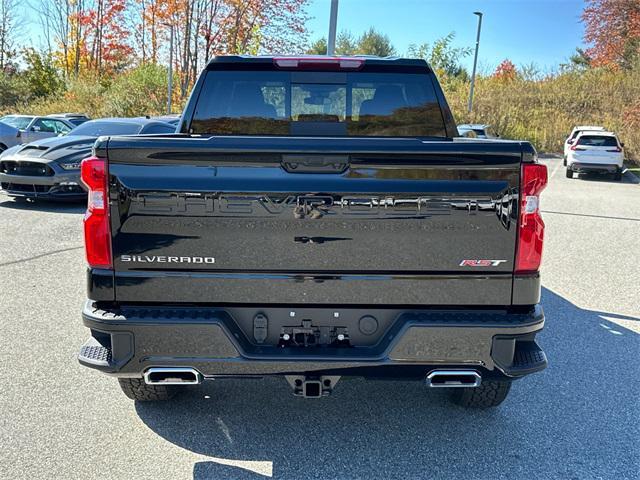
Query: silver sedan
[[28, 128]]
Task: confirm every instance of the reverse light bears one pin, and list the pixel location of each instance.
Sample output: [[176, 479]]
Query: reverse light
[[533, 179], [97, 231], [319, 63]]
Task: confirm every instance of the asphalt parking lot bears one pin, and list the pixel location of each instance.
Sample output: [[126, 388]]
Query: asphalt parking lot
[[579, 419]]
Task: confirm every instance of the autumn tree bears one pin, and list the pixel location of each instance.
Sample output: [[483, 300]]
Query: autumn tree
[[204, 28], [612, 28], [146, 17], [63, 32], [100, 37], [506, 71], [8, 30], [101, 45]]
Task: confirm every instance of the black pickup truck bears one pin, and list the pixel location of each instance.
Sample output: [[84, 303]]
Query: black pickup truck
[[316, 217]]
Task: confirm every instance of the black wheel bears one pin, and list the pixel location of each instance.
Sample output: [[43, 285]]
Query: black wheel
[[136, 389], [564, 161], [618, 175], [489, 394], [569, 173]]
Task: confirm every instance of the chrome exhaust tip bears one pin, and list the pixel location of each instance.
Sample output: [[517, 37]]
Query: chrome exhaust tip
[[453, 379], [172, 376]]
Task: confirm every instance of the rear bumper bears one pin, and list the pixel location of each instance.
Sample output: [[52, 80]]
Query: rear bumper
[[594, 167], [129, 341]]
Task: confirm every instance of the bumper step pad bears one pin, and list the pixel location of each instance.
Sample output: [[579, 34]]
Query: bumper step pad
[[93, 353], [528, 358]]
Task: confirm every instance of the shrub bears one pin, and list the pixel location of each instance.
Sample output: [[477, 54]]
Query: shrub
[[140, 91], [13, 90], [81, 96], [544, 110]]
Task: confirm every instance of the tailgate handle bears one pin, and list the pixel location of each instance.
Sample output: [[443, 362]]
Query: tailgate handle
[[315, 163]]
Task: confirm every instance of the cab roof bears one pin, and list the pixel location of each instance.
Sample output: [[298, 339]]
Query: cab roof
[[589, 127], [307, 62], [600, 133]]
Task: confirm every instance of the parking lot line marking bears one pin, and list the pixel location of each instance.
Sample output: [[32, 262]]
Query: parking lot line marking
[[556, 169], [591, 216], [53, 252]]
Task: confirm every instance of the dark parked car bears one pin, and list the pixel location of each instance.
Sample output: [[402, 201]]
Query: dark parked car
[[74, 118], [173, 118], [314, 218], [50, 168]]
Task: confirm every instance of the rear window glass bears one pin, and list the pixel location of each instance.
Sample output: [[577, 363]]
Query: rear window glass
[[317, 103], [17, 122], [597, 141]]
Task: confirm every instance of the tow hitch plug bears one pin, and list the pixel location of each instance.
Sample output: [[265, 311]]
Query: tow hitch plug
[[312, 387]]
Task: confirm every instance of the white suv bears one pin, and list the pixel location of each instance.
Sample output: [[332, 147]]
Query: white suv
[[599, 152], [574, 133]]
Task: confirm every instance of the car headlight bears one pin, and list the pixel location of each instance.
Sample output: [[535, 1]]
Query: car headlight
[[71, 166]]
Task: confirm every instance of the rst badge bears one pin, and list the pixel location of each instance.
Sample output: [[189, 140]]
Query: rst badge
[[481, 263]]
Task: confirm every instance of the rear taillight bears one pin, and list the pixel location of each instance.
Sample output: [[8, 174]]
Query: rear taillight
[[615, 150], [97, 232], [533, 179], [576, 148], [319, 63]]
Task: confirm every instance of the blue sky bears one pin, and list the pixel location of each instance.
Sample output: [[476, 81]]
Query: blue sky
[[544, 32]]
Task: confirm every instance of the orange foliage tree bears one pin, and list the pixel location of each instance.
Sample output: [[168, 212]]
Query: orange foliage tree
[[203, 28], [94, 39], [506, 71], [105, 47], [612, 27], [101, 37]]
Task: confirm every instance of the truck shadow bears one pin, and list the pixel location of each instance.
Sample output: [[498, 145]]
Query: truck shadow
[[575, 420], [594, 177]]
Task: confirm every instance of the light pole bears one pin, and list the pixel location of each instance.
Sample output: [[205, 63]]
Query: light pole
[[333, 21], [475, 60], [170, 82]]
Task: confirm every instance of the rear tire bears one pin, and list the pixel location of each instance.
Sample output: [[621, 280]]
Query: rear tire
[[618, 175], [489, 394], [564, 161], [569, 173], [136, 389]]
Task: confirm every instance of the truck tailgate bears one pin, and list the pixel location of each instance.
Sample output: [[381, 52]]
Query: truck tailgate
[[285, 220]]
